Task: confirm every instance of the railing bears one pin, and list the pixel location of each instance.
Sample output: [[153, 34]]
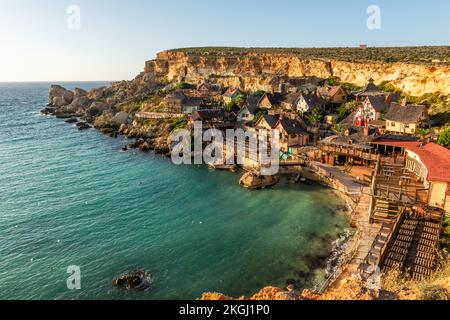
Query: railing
[[158, 115], [373, 190], [353, 152], [395, 229]]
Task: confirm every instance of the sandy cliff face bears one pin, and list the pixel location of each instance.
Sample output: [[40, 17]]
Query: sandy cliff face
[[254, 71]]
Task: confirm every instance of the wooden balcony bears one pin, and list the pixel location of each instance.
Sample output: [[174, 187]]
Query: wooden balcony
[[349, 152]]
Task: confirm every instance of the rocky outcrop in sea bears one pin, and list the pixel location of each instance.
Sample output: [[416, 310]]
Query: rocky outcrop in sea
[[111, 110]]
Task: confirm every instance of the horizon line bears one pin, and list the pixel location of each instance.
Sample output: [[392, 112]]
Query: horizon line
[[62, 81]]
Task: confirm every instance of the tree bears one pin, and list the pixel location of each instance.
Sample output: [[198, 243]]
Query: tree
[[423, 132], [233, 106], [317, 115], [346, 109], [240, 100], [444, 138], [338, 128], [259, 113]]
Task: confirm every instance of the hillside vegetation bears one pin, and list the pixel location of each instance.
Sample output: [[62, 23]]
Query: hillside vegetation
[[420, 55]]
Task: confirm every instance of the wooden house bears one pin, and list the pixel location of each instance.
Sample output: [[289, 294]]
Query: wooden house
[[306, 103], [405, 119], [333, 94], [265, 102], [267, 122], [370, 110], [210, 117], [292, 135], [254, 103], [289, 101], [209, 89], [231, 95], [177, 102]]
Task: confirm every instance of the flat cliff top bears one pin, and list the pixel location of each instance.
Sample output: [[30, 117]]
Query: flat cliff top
[[420, 55]]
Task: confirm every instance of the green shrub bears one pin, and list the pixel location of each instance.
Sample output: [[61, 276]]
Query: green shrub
[[259, 113], [317, 115], [233, 106], [185, 86], [346, 109], [178, 123], [444, 138], [445, 237]]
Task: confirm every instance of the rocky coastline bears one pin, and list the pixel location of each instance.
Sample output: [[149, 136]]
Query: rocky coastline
[[108, 110]]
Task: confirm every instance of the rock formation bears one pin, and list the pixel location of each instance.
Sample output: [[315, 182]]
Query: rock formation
[[264, 71]]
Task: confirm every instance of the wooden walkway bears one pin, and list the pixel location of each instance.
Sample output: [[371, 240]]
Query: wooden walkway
[[367, 233]]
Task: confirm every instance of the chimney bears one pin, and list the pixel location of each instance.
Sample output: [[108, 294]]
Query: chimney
[[366, 131], [404, 102]]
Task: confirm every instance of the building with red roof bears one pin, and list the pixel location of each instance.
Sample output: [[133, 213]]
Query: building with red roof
[[430, 162]]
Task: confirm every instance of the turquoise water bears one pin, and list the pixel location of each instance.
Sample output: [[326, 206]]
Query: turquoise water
[[73, 198]]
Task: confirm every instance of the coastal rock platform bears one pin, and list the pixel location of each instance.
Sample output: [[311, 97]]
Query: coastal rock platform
[[252, 180]]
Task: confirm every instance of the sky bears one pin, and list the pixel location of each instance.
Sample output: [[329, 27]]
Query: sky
[[116, 37]]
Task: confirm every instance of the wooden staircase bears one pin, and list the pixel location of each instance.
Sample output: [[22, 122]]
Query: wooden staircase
[[386, 211], [414, 248]]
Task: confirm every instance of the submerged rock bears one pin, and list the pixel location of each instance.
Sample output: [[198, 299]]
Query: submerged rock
[[48, 110], [72, 120], [83, 126], [138, 280]]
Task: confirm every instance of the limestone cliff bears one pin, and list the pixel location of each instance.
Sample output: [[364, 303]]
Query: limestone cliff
[[265, 71]]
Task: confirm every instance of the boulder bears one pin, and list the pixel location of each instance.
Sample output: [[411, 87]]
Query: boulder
[[80, 93], [68, 97], [48, 111], [96, 109], [139, 280], [120, 119], [83, 126], [145, 146], [60, 96], [72, 120], [135, 144], [252, 180], [58, 102], [55, 91], [97, 94], [104, 120], [107, 130], [80, 103], [123, 129]]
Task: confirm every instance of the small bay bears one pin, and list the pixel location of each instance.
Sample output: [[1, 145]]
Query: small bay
[[74, 198]]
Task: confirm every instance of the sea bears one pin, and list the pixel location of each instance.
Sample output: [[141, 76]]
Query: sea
[[72, 200]]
